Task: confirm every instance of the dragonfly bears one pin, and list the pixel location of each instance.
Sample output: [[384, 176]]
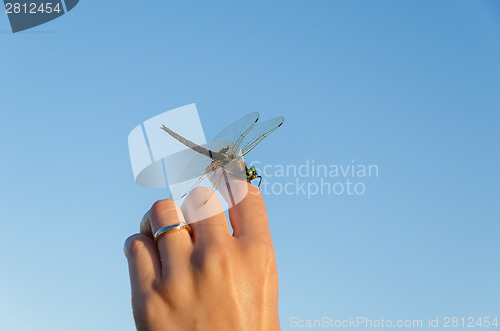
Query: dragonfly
[[225, 156]]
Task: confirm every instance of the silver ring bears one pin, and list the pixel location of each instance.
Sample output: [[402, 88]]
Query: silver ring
[[170, 228]]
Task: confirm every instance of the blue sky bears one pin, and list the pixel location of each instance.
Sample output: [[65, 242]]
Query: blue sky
[[409, 86]]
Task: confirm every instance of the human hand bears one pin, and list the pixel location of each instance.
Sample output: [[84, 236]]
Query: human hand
[[212, 281]]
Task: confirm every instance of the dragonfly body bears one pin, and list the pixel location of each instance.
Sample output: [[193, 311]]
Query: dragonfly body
[[227, 152], [219, 159], [251, 173]]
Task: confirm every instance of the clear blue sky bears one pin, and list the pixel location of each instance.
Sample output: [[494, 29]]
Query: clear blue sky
[[411, 86]]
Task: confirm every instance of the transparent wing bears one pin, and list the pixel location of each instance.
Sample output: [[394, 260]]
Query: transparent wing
[[212, 177], [259, 132], [180, 190], [234, 133], [197, 167], [188, 176], [239, 138], [236, 168], [228, 179], [215, 180]]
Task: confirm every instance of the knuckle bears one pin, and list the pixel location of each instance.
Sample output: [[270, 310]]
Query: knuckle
[[219, 258], [254, 190], [173, 294], [216, 255], [218, 250], [166, 287], [145, 307], [264, 248], [134, 244], [199, 193], [200, 190], [161, 206]]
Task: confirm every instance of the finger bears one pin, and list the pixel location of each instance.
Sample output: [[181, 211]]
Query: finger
[[203, 211], [230, 181], [174, 247], [233, 187], [249, 217], [143, 263]]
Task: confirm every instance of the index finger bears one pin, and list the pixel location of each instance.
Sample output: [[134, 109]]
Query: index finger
[[249, 216]]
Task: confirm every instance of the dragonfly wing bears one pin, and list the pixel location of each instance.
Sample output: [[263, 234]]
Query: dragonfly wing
[[236, 168], [238, 138], [210, 179], [216, 180], [189, 176], [259, 132], [195, 168], [234, 133], [202, 206], [180, 190], [199, 169], [230, 181]]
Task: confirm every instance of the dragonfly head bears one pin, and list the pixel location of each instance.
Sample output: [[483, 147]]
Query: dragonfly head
[[251, 173]]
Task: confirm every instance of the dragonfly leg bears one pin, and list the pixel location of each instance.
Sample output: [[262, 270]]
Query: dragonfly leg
[[260, 181]]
